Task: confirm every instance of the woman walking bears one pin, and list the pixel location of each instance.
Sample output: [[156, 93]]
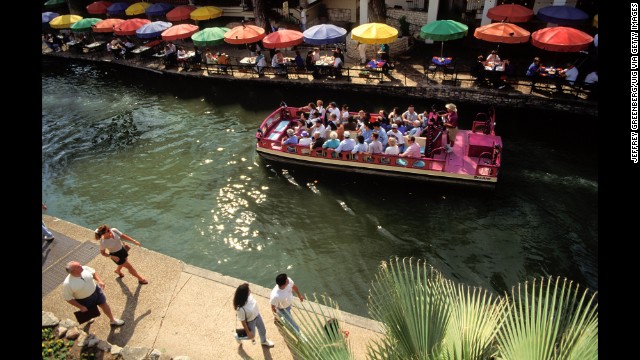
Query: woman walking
[[248, 313], [112, 239]]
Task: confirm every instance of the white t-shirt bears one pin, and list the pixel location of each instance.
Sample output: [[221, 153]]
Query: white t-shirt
[[249, 311], [79, 287], [304, 141], [113, 244], [591, 78], [572, 74], [282, 299], [392, 150], [303, 16]]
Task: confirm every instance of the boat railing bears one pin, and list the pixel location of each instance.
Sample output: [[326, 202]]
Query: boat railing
[[487, 169]]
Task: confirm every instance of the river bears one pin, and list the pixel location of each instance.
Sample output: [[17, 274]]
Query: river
[[172, 162]]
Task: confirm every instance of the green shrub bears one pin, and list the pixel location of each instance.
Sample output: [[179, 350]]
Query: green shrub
[[53, 348]]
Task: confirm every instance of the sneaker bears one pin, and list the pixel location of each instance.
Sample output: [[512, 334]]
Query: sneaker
[[268, 343], [449, 149], [502, 87], [117, 322], [91, 321]]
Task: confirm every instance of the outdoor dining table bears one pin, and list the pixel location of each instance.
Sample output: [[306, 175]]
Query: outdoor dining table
[[249, 60], [325, 65], [493, 72], [94, 46], [548, 77], [441, 61], [376, 66], [185, 59]]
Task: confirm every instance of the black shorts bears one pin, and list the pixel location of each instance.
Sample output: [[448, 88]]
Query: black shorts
[[122, 255]]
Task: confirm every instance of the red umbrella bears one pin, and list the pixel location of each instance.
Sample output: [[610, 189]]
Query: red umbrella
[[180, 13], [282, 39], [561, 39], [106, 25], [502, 33], [98, 7], [510, 12], [244, 34], [181, 31], [129, 27]]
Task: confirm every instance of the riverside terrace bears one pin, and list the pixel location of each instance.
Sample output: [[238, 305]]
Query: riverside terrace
[[411, 77]]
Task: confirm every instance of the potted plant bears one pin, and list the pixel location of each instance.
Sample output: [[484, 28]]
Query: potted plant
[[405, 29], [363, 73]]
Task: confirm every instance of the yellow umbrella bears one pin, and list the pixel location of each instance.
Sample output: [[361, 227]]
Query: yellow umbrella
[[595, 21], [137, 8], [374, 33], [64, 21], [206, 13]]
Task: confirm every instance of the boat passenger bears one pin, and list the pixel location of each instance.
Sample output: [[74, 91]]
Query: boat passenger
[[305, 139], [347, 144], [321, 109], [376, 146], [345, 113], [398, 135], [319, 128], [413, 151], [417, 129], [395, 115], [392, 149], [333, 123], [382, 134], [361, 146], [333, 142], [290, 139], [409, 116], [383, 118], [350, 124], [333, 109], [366, 131], [317, 141]]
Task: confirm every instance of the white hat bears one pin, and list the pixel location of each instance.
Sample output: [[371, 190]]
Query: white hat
[[347, 134]]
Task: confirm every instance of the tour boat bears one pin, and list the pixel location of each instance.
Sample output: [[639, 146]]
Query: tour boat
[[474, 159]]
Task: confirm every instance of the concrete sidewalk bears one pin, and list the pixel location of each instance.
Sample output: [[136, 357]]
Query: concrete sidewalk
[[184, 310]]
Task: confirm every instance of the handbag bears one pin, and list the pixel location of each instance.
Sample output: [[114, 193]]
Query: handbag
[[83, 317], [241, 332], [125, 246]]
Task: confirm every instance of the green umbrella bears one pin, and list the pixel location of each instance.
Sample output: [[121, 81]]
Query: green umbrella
[[84, 24], [209, 36], [443, 30], [52, 3]]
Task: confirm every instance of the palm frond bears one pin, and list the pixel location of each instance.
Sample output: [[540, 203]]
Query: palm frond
[[413, 305], [475, 319], [318, 340], [549, 320]]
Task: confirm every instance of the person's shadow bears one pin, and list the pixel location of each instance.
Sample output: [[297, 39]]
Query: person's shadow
[[126, 331], [46, 249], [265, 351]]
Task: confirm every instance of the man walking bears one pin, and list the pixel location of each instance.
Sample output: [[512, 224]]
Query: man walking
[[282, 299], [82, 288]]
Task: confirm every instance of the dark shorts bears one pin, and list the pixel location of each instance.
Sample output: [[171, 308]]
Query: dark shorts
[[122, 255], [97, 298]]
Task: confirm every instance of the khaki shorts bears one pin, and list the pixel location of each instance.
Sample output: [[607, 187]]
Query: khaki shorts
[[451, 133]]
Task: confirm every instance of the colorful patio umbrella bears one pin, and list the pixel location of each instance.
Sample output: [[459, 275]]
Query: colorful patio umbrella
[[181, 31], [158, 9], [443, 30], [180, 13], [244, 34], [48, 16], [324, 34], [106, 25], [282, 39], [64, 21], [562, 15], [129, 27], [152, 29], [206, 13], [137, 8], [561, 39], [502, 33], [374, 33], [85, 24], [209, 36], [117, 8], [53, 3], [512, 13], [98, 7]]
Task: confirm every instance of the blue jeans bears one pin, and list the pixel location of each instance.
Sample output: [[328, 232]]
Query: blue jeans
[[262, 331], [286, 314], [46, 234]]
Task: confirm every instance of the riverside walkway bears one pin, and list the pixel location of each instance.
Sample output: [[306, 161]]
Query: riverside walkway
[[184, 310], [408, 79]]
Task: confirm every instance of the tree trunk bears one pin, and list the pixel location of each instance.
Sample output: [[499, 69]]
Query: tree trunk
[[260, 13], [377, 11]]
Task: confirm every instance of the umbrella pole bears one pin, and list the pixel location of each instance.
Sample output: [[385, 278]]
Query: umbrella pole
[[441, 48]]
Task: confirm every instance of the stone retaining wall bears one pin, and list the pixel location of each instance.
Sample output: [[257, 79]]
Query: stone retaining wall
[[416, 19]]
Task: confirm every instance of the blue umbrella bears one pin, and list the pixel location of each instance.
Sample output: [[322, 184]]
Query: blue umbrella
[[158, 9], [152, 29], [48, 16], [118, 8], [324, 34], [562, 15]]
